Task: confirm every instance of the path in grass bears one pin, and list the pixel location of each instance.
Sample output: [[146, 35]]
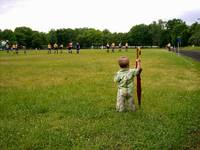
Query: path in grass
[[68, 102]]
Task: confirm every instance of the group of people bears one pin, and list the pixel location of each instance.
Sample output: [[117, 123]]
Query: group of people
[[124, 77], [113, 47], [5, 45], [55, 47]]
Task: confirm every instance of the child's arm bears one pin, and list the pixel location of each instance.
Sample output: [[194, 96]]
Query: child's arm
[[138, 64], [138, 68], [116, 78]]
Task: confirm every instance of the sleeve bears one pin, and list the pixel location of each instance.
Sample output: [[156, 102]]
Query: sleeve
[[134, 72], [116, 77]]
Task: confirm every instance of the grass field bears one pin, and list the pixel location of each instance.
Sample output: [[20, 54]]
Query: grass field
[[191, 48], [65, 101]]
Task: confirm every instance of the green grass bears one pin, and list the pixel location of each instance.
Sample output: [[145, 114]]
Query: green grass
[[68, 102], [190, 48]]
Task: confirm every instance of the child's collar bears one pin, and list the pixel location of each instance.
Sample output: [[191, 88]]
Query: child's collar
[[124, 69]]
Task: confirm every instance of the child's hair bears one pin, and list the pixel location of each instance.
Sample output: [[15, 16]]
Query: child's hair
[[123, 62]]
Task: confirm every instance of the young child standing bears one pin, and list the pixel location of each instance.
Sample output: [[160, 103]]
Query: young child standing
[[124, 77]]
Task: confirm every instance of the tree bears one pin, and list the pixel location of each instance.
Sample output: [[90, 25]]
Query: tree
[[1, 35], [37, 40], [139, 35], [165, 38], [106, 37], [178, 32], [24, 36], [155, 31], [52, 36], [8, 35], [195, 34], [176, 27]]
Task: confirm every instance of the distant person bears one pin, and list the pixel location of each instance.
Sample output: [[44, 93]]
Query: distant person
[[24, 49], [77, 47], [49, 48], [169, 46], [70, 46], [14, 48], [7, 46], [55, 46], [113, 47], [61, 48], [126, 47], [124, 77], [107, 47], [120, 47]]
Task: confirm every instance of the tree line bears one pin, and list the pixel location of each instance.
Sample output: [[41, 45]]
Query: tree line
[[155, 34]]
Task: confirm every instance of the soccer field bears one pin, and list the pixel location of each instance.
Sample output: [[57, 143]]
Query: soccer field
[[67, 101]]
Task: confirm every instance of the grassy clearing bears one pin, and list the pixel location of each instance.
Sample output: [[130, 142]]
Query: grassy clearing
[[68, 102], [191, 48]]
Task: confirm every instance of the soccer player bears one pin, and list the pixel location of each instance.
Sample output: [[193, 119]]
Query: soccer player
[[70, 46], [120, 47], [113, 47], [55, 46], [49, 48], [61, 47], [108, 47], [126, 47], [77, 47]]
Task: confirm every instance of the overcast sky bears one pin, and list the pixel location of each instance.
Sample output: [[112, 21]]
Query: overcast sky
[[114, 15]]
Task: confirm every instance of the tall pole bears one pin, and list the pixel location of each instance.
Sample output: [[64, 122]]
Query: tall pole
[[139, 89]]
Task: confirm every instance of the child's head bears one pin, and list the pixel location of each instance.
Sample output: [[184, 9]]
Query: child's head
[[123, 62]]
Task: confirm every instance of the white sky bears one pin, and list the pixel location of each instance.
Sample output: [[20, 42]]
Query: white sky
[[115, 15]]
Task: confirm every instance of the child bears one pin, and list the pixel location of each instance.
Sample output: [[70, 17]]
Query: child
[[124, 77]]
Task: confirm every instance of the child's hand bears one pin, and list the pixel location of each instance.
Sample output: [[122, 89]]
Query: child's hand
[[138, 60]]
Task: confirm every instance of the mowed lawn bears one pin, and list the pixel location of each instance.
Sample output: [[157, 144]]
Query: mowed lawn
[[64, 101]]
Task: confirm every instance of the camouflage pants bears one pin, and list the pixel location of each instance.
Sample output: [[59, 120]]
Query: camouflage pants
[[121, 98]]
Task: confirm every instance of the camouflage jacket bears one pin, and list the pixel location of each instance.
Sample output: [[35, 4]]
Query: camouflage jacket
[[124, 77]]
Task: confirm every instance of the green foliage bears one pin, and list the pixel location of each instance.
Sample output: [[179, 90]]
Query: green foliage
[[195, 38], [68, 102], [23, 36], [52, 38], [192, 48], [106, 36], [8, 34], [178, 29], [139, 35], [157, 33], [1, 35], [37, 40]]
